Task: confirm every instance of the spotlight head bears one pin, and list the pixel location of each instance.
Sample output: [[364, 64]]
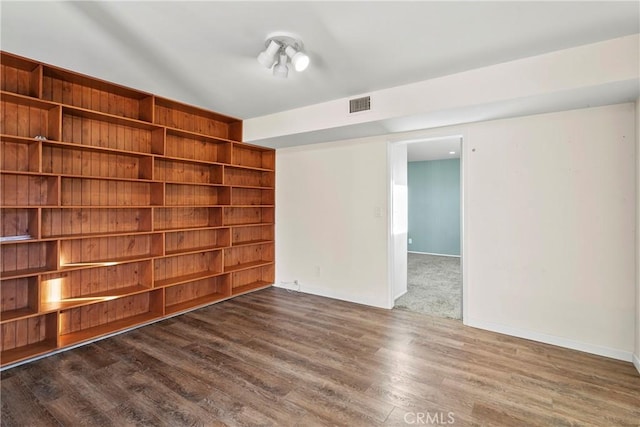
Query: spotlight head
[[299, 59], [268, 57], [281, 70]]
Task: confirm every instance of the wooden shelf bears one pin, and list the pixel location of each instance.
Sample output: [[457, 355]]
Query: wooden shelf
[[175, 269], [197, 120], [16, 222], [242, 177], [28, 337], [106, 329], [250, 287], [237, 216], [252, 278], [251, 156], [126, 208], [24, 189], [19, 154], [70, 222], [27, 352], [28, 258], [17, 314], [19, 298], [182, 217], [92, 298], [197, 293], [73, 89], [246, 265], [20, 75], [200, 240]]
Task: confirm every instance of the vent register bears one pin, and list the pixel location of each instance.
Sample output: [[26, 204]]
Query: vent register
[[359, 104]]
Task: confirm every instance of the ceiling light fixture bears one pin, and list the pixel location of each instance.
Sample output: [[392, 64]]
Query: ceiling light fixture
[[281, 48]]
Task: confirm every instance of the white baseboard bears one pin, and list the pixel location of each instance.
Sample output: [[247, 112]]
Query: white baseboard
[[400, 294], [431, 253], [613, 353], [330, 293], [636, 362]]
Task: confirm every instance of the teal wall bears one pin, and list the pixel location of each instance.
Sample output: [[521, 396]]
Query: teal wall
[[434, 206]]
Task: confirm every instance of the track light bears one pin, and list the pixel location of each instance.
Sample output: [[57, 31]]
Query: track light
[[282, 48]]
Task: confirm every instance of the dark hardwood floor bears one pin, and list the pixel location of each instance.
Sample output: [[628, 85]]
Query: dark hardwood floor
[[280, 358]]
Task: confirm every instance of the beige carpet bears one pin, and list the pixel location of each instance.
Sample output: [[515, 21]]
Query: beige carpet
[[434, 286]]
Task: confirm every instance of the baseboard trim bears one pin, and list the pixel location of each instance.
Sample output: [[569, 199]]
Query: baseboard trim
[[636, 362], [613, 353], [400, 294], [328, 293], [431, 253]]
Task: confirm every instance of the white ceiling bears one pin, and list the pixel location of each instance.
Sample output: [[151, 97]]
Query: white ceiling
[[434, 149], [204, 53]]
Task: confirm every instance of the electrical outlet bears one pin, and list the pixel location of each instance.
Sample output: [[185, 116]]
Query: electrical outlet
[[317, 271], [410, 240]]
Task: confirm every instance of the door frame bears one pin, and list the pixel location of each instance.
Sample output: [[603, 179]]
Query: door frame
[[396, 261]]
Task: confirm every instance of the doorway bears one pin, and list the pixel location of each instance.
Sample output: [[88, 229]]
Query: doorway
[[431, 210]]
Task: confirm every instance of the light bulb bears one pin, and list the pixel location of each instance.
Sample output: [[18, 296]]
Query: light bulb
[[299, 59]]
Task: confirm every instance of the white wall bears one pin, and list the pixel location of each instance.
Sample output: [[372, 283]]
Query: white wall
[[549, 222], [331, 218], [550, 216]]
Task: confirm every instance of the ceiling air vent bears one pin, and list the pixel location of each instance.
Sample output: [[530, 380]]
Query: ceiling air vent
[[360, 104]]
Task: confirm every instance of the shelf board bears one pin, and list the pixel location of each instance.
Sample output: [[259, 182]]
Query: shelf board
[[252, 206], [104, 178], [251, 242], [204, 184], [248, 224], [246, 266], [253, 187], [26, 352], [106, 263], [194, 303], [90, 235], [250, 287], [213, 227], [190, 134], [19, 139], [107, 328], [110, 118], [9, 315], [195, 250], [187, 160], [27, 100], [253, 168], [92, 298], [30, 173], [31, 240], [26, 272], [186, 278], [95, 148]]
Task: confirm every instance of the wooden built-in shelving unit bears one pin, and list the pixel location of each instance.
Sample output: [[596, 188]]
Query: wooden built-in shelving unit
[[119, 208]]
